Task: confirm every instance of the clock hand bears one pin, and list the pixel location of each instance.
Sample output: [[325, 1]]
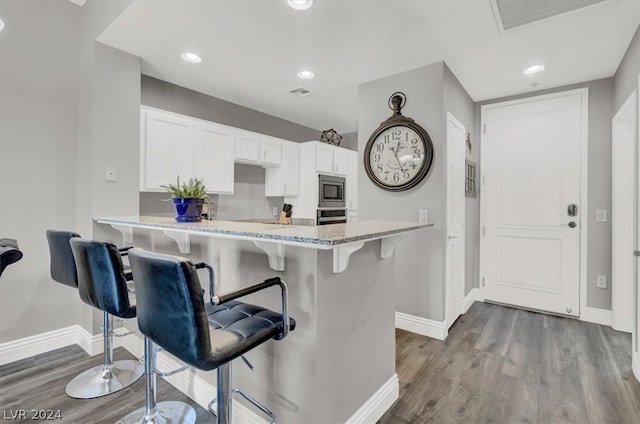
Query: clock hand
[[395, 153]]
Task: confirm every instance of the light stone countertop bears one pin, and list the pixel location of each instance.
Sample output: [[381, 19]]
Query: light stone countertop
[[319, 237]]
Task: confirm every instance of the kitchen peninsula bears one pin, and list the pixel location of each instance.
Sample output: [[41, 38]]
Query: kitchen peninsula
[[339, 364]]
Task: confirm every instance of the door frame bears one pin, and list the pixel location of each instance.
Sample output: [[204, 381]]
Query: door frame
[[448, 319], [584, 174]]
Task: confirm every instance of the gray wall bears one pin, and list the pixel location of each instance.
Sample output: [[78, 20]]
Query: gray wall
[[459, 103], [601, 98], [626, 77], [420, 288], [64, 115], [248, 200]]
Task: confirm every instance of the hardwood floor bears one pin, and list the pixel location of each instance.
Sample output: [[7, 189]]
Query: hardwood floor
[[498, 365], [38, 383], [504, 365]]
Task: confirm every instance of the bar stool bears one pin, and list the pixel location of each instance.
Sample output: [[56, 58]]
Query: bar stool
[[9, 253], [172, 314], [101, 281]]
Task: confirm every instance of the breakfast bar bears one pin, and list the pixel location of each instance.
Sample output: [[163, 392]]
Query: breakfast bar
[[339, 364]]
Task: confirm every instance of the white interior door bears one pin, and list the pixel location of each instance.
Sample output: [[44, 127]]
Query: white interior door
[[455, 133], [623, 215], [531, 187]]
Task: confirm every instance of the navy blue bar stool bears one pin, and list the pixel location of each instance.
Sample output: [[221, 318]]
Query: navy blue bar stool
[[9, 253], [173, 315], [96, 270]]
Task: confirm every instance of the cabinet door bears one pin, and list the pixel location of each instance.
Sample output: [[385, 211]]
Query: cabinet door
[[214, 159], [340, 162], [352, 182], [247, 147], [284, 180], [165, 149], [324, 159], [271, 151]]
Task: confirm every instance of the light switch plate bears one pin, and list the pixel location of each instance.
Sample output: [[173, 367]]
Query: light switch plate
[[423, 216], [601, 215], [601, 281], [274, 211]]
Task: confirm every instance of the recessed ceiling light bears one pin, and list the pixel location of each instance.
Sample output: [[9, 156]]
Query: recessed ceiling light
[[300, 4], [191, 57], [305, 74], [534, 69], [1, 24]]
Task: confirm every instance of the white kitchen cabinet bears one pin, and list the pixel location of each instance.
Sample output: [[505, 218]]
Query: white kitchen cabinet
[[284, 180], [214, 148], [352, 182], [324, 158], [248, 149], [173, 145], [272, 150], [340, 162], [257, 149], [165, 149]]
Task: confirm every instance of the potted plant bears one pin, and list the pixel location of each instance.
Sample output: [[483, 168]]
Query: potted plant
[[188, 199]]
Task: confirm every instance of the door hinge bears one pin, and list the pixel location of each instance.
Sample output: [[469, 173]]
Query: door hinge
[[483, 232], [484, 128], [482, 281], [636, 253]]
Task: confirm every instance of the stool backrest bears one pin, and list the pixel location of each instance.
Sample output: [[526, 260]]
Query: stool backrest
[[63, 266], [101, 280], [8, 255], [170, 305]]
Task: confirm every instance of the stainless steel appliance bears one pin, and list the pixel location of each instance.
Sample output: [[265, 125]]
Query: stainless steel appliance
[[331, 216], [331, 192]]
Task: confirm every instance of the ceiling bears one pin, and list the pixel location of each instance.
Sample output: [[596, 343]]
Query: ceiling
[[252, 50]]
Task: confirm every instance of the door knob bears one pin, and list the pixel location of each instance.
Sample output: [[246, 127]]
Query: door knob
[[571, 224]]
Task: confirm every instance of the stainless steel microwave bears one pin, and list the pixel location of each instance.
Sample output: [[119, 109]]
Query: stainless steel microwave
[[331, 192]]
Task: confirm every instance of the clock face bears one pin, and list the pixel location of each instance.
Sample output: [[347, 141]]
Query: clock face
[[397, 158]]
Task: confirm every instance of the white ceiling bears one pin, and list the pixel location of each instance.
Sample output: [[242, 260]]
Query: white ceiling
[[252, 50]]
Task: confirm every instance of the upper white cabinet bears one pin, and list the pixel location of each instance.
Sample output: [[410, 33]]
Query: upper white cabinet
[[174, 145], [284, 180], [214, 157], [340, 162], [330, 160], [257, 149]]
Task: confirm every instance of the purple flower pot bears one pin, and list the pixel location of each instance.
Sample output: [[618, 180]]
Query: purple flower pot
[[188, 210]]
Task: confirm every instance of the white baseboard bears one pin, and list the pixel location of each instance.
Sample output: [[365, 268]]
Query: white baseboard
[[596, 316], [471, 297], [374, 408], [635, 365], [426, 327], [51, 340]]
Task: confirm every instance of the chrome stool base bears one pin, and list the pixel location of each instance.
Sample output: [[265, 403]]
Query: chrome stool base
[[98, 381], [167, 413]]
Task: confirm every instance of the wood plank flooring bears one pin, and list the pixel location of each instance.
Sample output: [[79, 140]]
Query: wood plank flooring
[[504, 365], [498, 365]]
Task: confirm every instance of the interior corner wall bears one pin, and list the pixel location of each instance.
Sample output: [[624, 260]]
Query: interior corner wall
[[459, 103], [420, 256], [626, 76], [601, 111]]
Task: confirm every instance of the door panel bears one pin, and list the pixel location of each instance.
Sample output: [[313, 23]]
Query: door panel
[[531, 171], [455, 218]]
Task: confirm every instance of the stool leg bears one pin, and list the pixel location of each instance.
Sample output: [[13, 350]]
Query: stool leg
[[157, 413], [110, 376], [224, 394]]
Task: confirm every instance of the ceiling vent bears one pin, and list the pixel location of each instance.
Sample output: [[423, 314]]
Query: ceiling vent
[[511, 14], [300, 92]]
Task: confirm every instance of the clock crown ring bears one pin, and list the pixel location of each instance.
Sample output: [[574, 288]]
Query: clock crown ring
[[396, 102]]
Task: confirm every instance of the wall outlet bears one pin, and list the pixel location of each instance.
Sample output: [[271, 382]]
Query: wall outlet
[[274, 211], [601, 215], [423, 215], [601, 281], [110, 173]]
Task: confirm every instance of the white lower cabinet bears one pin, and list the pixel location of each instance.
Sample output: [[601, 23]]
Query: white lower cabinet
[[284, 180]]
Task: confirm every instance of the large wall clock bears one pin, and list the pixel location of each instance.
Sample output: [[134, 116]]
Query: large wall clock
[[399, 153]]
